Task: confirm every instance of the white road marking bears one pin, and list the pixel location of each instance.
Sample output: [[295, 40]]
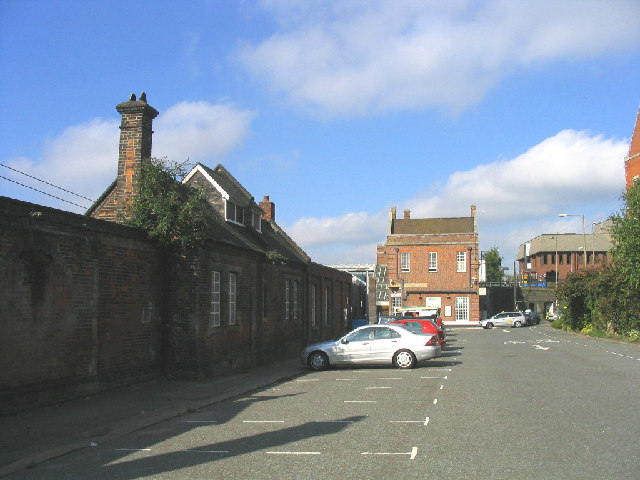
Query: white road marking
[[263, 421], [376, 388], [445, 377], [292, 453], [539, 347], [133, 449], [392, 378], [441, 387], [346, 379], [425, 423], [412, 453], [435, 401]]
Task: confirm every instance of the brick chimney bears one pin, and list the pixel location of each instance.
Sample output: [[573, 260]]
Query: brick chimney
[[269, 209], [135, 148], [407, 214]]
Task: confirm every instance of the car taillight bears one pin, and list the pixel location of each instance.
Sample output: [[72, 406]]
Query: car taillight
[[432, 341]]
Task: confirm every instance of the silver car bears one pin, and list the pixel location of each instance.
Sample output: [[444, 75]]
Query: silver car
[[504, 319], [373, 344]]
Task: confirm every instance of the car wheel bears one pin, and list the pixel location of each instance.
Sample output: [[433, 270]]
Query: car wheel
[[404, 359], [318, 361], [489, 325], [517, 324]]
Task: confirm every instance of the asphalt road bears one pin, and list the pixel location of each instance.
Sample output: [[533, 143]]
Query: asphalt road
[[530, 403]]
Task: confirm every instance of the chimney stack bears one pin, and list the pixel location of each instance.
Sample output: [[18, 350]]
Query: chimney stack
[[135, 148], [407, 214], [269, 209]]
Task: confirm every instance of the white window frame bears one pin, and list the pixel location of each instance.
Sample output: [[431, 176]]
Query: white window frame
[[215, 299], [433, 261], [295, 299], [233, 286], [313, 305], [461, 261], [396, 303], [287, 298], [405, 262], [462, 309], [325, 306]]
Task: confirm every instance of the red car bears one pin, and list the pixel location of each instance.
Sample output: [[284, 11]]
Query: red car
[[418, 325]]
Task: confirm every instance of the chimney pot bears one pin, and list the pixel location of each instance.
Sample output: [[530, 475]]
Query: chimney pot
[[269, 209], [407, 214]]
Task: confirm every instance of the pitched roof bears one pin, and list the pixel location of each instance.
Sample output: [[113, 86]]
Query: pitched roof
[[433, 226], [634, 146], [225, 182], [271, 238]]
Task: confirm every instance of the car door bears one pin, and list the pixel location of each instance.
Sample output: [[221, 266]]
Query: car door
[[355, 347], [385, 343], [502, 320]]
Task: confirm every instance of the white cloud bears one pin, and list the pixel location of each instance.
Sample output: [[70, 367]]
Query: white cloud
[[362, 56], [516, 199], [564, 171], [84, 158], [199, 130]]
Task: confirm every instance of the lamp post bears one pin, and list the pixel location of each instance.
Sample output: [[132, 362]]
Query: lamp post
[[584, 237]]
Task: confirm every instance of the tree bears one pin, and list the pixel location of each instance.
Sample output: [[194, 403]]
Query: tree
[[493, 265], [173, 214], [625, 234]]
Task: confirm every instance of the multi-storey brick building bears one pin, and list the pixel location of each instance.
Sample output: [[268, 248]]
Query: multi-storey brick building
[[430, 262], [549, 256]]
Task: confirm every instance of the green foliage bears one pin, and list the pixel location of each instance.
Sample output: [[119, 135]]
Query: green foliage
[[172, 214], [625, 234], [493, 265], [606, 301]]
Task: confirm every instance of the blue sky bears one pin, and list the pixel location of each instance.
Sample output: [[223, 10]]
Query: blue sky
[[338, 110]]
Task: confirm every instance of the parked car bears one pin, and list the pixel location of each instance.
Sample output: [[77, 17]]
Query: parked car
[[504, 319], [423, 325], [373, 345], [532, 317]]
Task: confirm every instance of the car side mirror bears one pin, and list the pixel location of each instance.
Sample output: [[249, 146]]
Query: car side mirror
[[344, 341]]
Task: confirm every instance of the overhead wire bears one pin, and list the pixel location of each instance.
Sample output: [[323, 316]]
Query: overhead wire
[[47, 183]]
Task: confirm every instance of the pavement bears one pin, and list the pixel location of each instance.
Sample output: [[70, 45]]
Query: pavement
[[35, 436]]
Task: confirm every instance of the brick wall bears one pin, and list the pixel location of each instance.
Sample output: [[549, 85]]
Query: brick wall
[[79, 305]]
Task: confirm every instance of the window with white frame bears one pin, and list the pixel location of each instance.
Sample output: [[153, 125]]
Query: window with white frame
[[462, 309], [396, 303], [325, 307], [295, 299], [235, 213], [287, 299], [461, 261], [313, 305], [433, 261], [405, 262], [233, 278], [215, 299]]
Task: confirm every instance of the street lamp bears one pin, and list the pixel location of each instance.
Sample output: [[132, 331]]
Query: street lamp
[[584, 238]]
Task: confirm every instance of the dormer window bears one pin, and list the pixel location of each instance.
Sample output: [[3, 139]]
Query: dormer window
[[235, 213]]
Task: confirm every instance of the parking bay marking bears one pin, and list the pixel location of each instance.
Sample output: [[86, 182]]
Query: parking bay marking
[[425, 423], [412, 453]]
